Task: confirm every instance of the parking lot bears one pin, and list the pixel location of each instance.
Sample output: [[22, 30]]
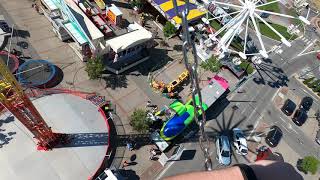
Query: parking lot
[[310, 127]]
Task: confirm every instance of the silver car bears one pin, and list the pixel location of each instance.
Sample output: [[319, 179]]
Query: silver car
[[223, 150], [240, 142]]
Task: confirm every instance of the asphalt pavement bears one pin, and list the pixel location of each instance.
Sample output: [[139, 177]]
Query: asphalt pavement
[[255, 104]]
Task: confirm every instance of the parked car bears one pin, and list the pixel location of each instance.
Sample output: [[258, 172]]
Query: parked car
[[240, 142], [274, 136], [300, 117], [223, 150], [263, 153], [306, 103], [288, 107], [318, 137]]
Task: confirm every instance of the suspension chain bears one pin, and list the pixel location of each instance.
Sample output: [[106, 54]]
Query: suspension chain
[[192, 68]]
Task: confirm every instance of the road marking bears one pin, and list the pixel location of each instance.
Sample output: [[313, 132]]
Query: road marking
[[283, 120], [311, 52], [285, 127], [249, 104], [275, 94], [168, 165], [310, 94], [292, 128], [309, 45], [255, 126]]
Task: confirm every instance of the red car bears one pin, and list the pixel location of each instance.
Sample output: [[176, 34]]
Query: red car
[[318, 56], [263, 153]]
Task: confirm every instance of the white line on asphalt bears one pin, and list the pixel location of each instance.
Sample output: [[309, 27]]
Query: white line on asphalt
[[311, 52], [285, 127], [282, 120], [292, 128], [309, 45], [249, 105], [309, 94], [275, 94], [255, 126], [167, 167]]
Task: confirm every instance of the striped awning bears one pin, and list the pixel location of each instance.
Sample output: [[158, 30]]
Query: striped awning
[[50, 4], [167, 7], [76, 33]]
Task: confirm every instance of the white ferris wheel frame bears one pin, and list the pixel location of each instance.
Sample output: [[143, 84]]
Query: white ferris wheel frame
[[246, 12]]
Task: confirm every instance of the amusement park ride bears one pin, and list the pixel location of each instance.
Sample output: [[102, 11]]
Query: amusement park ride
[[13, 98], [247, 13]]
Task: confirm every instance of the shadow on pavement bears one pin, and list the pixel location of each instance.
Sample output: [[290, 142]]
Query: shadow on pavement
[[187, 155], [129, 174], [6, 137], [85, 140], [216, 108], [115, 81], [225, 126], [56, 80], [21, 33], [158, 59], [276, 75]]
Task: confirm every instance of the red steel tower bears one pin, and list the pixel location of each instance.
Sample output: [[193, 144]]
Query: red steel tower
[[16, 101]]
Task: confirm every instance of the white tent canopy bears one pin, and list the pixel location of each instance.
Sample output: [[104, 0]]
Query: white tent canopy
[[129, 40]]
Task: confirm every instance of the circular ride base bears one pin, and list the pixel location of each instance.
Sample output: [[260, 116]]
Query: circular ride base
[[64, 113], [36, 72]]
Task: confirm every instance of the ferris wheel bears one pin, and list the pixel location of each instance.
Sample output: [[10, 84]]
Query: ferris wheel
[[247, 13]]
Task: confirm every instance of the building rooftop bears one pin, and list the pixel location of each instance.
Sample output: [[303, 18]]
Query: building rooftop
[[128, 40]]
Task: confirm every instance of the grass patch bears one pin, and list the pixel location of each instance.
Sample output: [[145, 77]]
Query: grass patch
[[294, 13], [265, 30], [236, 43], [212, 64], [247, 67], [274, 7], [215, 24]]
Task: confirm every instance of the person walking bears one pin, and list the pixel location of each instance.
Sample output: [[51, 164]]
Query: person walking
[[125, 164]]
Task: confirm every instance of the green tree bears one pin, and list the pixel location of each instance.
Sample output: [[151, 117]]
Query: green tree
[[310, 164], [169, 29], [139, 121], [94, 68], [307, 81], [212, 64], [137, 3], [313, 83], [247, 67], [316, 88]]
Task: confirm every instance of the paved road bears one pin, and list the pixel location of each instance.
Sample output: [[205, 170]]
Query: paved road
[[255, 103], [19, 40]]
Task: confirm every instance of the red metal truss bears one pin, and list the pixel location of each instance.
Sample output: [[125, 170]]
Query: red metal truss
[[15, 100]]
